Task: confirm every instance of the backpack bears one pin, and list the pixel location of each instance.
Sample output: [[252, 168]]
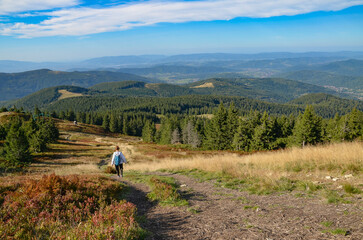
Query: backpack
[[117, 159]]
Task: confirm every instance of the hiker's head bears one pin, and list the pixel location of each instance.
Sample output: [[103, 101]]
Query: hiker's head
[[117, 148]]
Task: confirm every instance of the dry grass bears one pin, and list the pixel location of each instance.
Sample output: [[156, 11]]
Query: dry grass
[[314, 163], [205, 85], [67, 94]]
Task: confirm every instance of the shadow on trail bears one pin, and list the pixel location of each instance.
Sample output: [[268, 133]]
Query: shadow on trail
[[159, 221]]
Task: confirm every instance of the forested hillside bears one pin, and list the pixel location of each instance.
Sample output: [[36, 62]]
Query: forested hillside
[[267, 89], [17, 85], [325, 79]]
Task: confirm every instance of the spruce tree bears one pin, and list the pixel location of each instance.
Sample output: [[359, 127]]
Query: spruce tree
[[242, 137], [165, 131], [148, 132], [263, 134], [217, 135], [308, 128], [114, 123], [125, 126], [106, 122], [232, 124], [16, 148], [355, 124]]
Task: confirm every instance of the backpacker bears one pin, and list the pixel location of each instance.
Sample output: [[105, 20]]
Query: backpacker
[[117, 159]]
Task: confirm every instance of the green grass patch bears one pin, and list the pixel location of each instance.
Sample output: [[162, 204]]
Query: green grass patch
[[334, 197], [250, 207], [348, 188], [334, 231], [193, 210], [242, 200], [327, 223], [163, 189], [339, 231]]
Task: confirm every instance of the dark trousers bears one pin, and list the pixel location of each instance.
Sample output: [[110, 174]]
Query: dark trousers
[[119, 169]]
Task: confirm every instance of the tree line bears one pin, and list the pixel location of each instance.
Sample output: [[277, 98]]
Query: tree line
[[195, 105], [228, 130], [23, 135]]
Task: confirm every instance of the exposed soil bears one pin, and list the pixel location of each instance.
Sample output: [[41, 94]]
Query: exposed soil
[[219, 213]]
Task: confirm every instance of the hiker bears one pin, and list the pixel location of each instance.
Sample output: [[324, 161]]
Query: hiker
[[118, 159]]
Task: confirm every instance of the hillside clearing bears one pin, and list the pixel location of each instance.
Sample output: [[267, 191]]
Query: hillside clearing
[[205, 85], [67, 94]]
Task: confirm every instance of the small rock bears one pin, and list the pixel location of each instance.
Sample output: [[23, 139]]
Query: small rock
[[328, 177], [183, 185], [335, 179], [316, 182], [348, 176], [340, 187]]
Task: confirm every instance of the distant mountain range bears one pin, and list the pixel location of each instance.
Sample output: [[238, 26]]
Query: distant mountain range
[[268, 89], [17, 85], [184, 59], [274, 77]]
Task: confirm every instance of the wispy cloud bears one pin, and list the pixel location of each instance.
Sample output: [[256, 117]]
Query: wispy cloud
[[79, 21], [14, 6]]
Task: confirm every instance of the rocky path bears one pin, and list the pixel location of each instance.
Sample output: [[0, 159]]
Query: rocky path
[[219, 213]]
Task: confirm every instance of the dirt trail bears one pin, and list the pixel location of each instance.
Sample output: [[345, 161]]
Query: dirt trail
[[221, 213]]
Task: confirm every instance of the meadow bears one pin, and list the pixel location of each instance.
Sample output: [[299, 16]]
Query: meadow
[[333, 167], [67, 192]]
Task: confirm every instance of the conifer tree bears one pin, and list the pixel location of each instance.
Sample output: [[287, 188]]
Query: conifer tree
[[308, 128], [175, 136], [106, 122], [217, 136], [114, 123], [263, 134], [242, 137], [16, 148], [125, 126], [232, 124], [148, 132], [355, 124], [333, 129], [165, 131]]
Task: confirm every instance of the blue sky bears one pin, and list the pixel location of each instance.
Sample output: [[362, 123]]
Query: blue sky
[[65, 30]]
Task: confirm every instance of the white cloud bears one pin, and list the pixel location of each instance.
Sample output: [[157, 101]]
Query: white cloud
[[14, 6], [84, 20]]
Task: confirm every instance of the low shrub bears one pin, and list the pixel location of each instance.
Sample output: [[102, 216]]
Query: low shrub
[[72, 207], [110, 170]]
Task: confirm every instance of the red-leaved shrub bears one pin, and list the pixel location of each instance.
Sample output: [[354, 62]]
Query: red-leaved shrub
[[74, 207]]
